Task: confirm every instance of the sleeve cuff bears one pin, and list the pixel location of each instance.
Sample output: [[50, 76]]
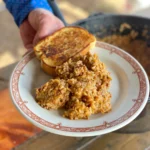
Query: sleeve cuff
[[20, 9]]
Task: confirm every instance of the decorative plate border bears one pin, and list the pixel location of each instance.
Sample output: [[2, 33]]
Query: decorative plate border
[[22, 104]]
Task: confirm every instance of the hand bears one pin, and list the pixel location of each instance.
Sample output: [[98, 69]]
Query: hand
[[39, 24]]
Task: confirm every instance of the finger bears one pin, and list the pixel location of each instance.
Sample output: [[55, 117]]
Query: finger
[[44, 22], [27, 34], [47, 27]]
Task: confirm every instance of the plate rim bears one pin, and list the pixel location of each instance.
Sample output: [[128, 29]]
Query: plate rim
[[80, 133]]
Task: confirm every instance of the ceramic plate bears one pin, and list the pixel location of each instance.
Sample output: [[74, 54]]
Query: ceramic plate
[[129, 89]]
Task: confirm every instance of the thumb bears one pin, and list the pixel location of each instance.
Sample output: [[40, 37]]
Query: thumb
[[44, 22], [47, 27]]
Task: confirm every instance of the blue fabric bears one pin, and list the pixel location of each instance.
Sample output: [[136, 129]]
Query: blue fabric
[[21, 8]]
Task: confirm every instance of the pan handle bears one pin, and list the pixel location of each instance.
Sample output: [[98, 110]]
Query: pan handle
[[57, 11], [96, 14]]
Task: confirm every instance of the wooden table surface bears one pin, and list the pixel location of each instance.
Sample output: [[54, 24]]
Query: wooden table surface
[[14, 129]]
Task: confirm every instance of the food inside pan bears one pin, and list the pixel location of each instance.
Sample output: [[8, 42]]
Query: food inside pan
[[137, 47]]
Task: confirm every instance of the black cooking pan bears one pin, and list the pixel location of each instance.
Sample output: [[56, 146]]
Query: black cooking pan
[[102, 25], [109, 22]]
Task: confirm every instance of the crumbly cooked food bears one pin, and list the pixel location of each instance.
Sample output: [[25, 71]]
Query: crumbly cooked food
[[85, 82], [124, 26], [53, 94]]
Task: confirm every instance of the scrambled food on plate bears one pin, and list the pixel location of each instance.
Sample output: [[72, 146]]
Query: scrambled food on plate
[[80, 85]]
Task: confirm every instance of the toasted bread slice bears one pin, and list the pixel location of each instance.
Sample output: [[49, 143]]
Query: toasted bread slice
[[48, 69], [63, 44]]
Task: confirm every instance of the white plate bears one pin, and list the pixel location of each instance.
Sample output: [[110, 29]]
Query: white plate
[[129, 88]]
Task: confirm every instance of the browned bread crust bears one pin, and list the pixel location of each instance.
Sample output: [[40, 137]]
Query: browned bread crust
[[48, 69]]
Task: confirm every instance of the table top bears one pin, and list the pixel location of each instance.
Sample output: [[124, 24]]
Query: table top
[[16, 132]]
